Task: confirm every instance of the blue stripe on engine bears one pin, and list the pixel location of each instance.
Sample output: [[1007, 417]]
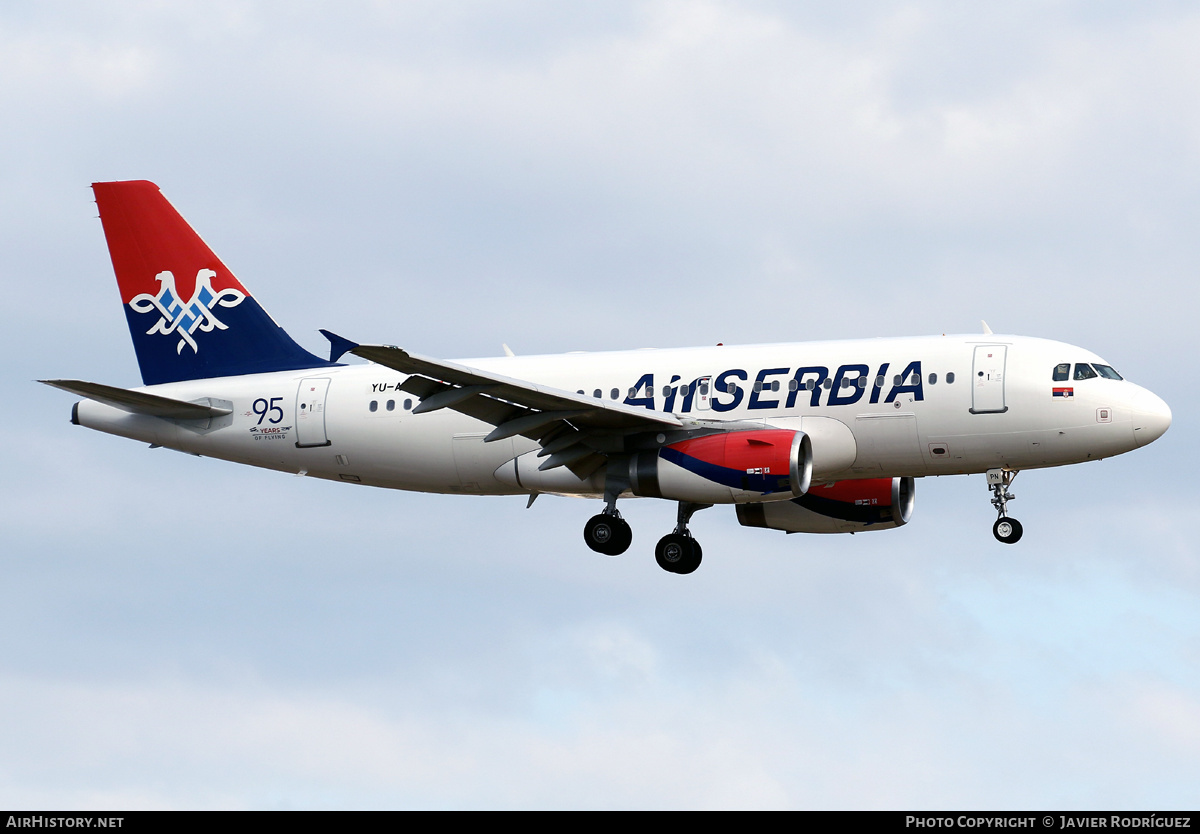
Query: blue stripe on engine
[[845, 511]]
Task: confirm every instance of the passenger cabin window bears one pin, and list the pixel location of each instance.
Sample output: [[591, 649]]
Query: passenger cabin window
[[1062, 372], [949, 377], [374, 406], [391, 405], [1084, 371], [933, 379], [1106, 371]]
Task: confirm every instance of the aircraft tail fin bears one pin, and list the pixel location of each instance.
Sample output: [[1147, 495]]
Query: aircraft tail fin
[[189, 316]]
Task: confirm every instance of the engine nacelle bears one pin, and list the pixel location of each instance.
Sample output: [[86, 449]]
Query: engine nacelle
[[841, 507], [731, 467]]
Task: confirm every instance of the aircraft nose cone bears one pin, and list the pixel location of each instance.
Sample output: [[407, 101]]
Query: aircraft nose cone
[[1151, 417]]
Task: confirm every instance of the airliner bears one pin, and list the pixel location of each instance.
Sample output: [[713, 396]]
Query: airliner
[[813, 437]]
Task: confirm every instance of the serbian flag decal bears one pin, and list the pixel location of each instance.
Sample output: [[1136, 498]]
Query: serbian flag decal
[[1063, 393]]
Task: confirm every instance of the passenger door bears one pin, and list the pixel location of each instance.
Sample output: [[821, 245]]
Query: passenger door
[[310, 412], [987, 380]]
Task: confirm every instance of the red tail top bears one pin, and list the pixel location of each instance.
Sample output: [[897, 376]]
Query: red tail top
[[147, 236]]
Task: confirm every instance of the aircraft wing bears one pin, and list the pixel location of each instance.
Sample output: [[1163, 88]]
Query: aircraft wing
[[574, 429]]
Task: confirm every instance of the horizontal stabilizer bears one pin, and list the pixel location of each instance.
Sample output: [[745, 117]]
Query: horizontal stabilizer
[[138, 402]]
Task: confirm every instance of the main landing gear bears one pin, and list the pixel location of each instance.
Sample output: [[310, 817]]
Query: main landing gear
[[1006, 530], [608, 533], [676, 552]]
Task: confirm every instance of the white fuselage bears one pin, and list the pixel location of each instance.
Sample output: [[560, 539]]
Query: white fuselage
[[1002, 410]]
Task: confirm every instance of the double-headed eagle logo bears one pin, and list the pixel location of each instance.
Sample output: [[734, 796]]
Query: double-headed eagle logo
[[185, 319]]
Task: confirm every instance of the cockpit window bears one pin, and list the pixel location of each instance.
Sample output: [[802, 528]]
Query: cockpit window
[[1084, 371], [1062, 372], [1106, 371]]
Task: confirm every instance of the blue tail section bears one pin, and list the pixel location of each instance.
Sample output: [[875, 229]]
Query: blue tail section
[[189, 316]]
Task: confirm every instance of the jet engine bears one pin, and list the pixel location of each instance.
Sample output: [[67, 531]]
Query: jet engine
[[737, 466], [840, 507]]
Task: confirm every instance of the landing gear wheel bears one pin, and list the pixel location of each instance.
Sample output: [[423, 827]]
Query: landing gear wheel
[[607, 534], [1007, 530], [678, 553], [624, 538]]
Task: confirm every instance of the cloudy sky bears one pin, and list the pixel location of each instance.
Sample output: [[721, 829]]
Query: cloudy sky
[[186, 633]]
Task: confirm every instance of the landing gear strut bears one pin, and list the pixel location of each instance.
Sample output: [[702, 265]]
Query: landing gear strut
[[678, 552], [1006, 530]]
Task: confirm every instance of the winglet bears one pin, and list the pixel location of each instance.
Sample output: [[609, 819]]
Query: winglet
[[338, 347], [987, 331]]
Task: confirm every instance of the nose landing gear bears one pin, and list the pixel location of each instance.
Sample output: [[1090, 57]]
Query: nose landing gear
[[1006, 530]]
